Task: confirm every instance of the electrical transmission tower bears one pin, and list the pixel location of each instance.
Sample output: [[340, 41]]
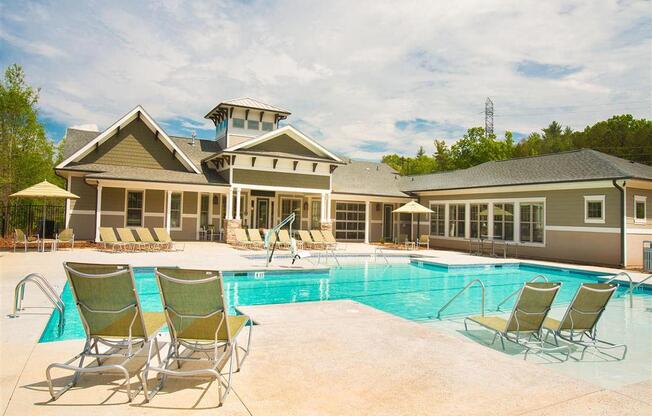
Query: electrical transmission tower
[[488, 117]]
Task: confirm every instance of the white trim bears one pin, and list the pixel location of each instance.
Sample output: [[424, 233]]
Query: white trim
[[98, 212], [519, 188], [197, 223], [643, 199], [68, 186], [155, 214], [123, 121], [642, 231], [180, 227], [163, 186], [168, 204], [82, 212], [490, 200], [362, 198], [594, 198], [367, 219], [188, 215], [290, 131], [279, 188], [279, 170], [120, 213], [609, 230]]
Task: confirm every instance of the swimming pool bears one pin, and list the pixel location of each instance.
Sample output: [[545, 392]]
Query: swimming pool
[[414, 290]]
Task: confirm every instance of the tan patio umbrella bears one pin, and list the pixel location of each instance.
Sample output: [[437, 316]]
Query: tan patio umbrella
[[413, 207], [44, 190]]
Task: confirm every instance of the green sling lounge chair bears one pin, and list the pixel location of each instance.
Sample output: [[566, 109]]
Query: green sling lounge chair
[[526, 320], [201, 330], [109, 307], [21, 239], [163, 236], [578, 325], [254, 238], [330, 238], [284, 240], [318, 238], [241, 239], [307, 240], [127, 236], [108, 238], [65, 236], [145, 236]]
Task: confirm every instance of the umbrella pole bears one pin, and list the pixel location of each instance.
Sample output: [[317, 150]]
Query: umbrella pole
[[412, 227]]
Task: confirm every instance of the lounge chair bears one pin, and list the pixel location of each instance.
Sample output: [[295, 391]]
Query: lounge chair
[[110, 311], [108, 238], [579, 323], [424, 240], [254, 238], [318, 238], [284, 240], [145, 236], [201, 329], [403, 239], [21, 239], [65, 237], [526, 320], [126, 235], [241, 239], [307, 241], [330, 238], [163, 236]]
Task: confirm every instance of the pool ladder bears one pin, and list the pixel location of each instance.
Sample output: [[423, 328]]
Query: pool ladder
[[632, 286], [464, 289], [47, 289]]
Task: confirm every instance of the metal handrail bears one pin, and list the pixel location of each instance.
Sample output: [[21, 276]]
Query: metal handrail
[[382, 253], [471, 283], [534, 279], [631, 286], [637, 285], [332, 253], [47, 289]]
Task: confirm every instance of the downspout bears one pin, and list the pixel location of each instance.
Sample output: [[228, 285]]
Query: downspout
[[623, 230]]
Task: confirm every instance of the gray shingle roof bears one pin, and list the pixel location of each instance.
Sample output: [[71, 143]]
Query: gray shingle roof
[[132, 173], [576, 165], [367, 178], [76, 139]]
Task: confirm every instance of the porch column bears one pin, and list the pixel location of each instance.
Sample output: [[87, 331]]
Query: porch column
[[98, 213], [168, 208], [237, 204], [367, 214], [328, 207], [323, 208], [229, 205], [490, 221], [68, 181]]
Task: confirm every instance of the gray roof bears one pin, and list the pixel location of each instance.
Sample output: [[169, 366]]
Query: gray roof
[[253, 103], [76, 139], [572, 166], [133, 173], [367, 178]]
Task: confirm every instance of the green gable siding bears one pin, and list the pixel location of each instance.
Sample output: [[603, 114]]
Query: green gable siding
[[284, 144], [294, 180]]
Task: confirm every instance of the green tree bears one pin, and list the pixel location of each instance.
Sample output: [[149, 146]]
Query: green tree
[[443, 156], [477, 147]]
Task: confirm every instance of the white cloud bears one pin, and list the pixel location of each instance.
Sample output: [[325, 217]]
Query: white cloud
[[88, 127], [347, 70]]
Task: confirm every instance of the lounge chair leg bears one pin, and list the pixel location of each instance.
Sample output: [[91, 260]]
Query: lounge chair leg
[[502, 342]]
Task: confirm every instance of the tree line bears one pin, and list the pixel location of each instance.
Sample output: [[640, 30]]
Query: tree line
[[621, 135]]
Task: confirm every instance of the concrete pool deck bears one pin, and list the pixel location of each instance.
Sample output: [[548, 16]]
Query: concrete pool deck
[[336, 357]]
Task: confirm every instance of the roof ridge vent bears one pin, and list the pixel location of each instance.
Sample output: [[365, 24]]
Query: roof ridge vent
[[194, 134]]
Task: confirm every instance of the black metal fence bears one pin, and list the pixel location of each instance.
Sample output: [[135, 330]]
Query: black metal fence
[[29, 218]]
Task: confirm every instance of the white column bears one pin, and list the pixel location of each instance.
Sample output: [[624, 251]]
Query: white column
[[210, 208], [446, 220], [367, 215], [197, 222], [229, 205], [329, 202], [517, 222], [237, 204], [490, 220], [467, 220], [68, 180], [98, 213], [323, 208], [168, 208]]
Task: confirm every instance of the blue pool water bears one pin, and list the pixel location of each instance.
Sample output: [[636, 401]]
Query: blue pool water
[[413, 291]]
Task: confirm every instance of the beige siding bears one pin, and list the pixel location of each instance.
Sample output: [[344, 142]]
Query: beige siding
[[135, 145], [631, 193], [83, 226], [293, 180], [188, 231], [116, 221], [152, 222], [155, 201], [86, 193], [190, 203], [113, 199]]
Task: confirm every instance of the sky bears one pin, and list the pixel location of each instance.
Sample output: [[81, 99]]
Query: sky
[[364, 78]]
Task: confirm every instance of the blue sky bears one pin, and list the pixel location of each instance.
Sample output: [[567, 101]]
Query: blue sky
[[364, 78]]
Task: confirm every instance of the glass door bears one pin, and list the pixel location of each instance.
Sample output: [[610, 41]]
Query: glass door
[[262, 213], [388, 222]]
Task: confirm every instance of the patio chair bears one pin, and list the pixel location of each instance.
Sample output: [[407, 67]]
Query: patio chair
[[110, 311], [424, 240], [127, 236], [579, 323], [21, 239], [241, 239], [330, 238], [284, 240], [201, 329], [108, 238], [254, 238], [307, 241], [403, 239], [526, 319], [318, 238], [145, 236], [163, 236], [66, 236]]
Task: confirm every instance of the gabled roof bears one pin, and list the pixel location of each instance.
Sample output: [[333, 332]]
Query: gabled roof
[[137, 112], [246, 102], [367, 178], [291, 132], [572, 166]]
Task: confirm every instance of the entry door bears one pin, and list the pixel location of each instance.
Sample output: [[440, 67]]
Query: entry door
[[262, 213], [388, 222]]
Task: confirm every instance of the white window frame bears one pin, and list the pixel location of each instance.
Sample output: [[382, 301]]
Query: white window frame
[[244, 123], [638, 199], [441, 209], [594, 198], [142, 210], [463, 234], [180, 227]]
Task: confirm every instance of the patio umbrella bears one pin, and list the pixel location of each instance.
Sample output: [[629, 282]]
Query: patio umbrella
[[413, 207], [45, 191]]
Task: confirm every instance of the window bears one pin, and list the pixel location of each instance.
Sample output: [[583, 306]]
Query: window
[[252, 124], [456, 223], [268, 126], [437, 218], [479, 220], [594, 209], [640, 208], [532, 222], [315, 215], [289, 206], [134, 209], [504, 222], [175, 210], [203, 212], [238, 123], [349, 221]]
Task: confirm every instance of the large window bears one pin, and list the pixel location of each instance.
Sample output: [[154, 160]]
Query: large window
[[640, 208], [594, 209], [203, 212], [238, 123], [289, 206], [268, 126], [479, 220], [134, 209], [349, 221], [315, 215], [532, 222], [504, 222], [437, 218], [253, 124], [456, 216], [175, 210]]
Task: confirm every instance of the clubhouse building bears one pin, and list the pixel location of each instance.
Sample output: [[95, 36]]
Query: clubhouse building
[[579, 206]]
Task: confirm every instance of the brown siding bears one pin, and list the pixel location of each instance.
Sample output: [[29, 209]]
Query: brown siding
[[284, 144], [113, 199], [188, 230], [83, 226], [190, 203], [631, 192], [294, 180], [154, 201], [135, 145], [116, 221], [151, 221], [86, 193]]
